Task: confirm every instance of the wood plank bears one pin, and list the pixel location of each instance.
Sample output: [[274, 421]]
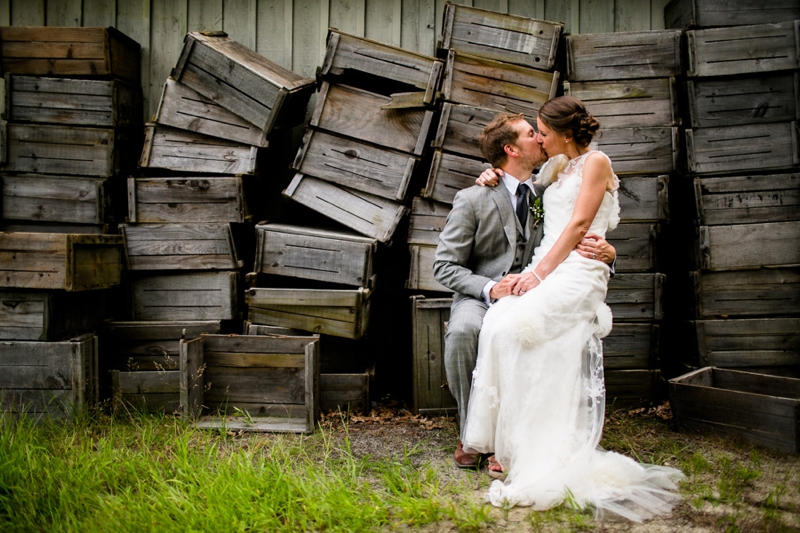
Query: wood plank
[[427, 221], [56, 199], [259, 344], [133, 19], [743, 246], [751, 293], [459, 128], [417, 28], [748, 199], [185, 296], [49, 316], [264, 424], [632, 15], [636, 245], [429, 318], [636, 296], [179, 247], [749, 342], [189, 199], [710, 13], [420, 276], [641, 150], [743, 49], [192, 369], [239, 21], [64, 13], [168, 26], [449, 174], [596, 16], [643, 199], [631, 346], [629, 103]]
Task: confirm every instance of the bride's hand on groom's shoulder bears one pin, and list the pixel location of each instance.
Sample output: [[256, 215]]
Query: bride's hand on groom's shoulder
[[490, 177]]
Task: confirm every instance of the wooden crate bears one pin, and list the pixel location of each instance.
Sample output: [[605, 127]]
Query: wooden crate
[[150, 392], [60, 261], [96, 52], [630, 388], [313, 253], [341, 313], [631, 346], [75, 200], [148, 346], [624, 55], [185, 296], [55, 379], [757, 408], [710, 13], [11, 226], [369, 117], [509, 38], [184, 108], [636, 246], [749, 342], [180, 247], [420, 276], [49, 315], [744, 49], [242, 81], [186, 151], [72, 150], [73, 102], [636, 297], [449, 174], [459, 128], [744, 100], [642, 103], [427, 221], [491, 84], [189, 199], [251, 383], [356, 165], [429, 318], [347, 54], [368, 214], [643, 199], [641, 150], [748, 199], [344, 392], [743, 148], [746, 293], [744, 246]]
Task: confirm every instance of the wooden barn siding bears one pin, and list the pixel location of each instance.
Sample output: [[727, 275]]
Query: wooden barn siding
[[292, 32]]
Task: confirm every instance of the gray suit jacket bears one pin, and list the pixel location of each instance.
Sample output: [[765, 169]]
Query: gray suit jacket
[[479, 240]]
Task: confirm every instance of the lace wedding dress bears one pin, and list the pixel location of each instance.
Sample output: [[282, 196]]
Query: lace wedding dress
[[538, 395]]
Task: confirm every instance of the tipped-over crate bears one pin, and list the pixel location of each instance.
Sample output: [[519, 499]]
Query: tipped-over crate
[[251, 383]]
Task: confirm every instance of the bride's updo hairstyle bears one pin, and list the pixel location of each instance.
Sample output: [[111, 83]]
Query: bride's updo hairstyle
[[568, 116]]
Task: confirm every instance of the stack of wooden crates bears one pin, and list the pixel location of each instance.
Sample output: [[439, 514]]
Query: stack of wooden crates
[[71, 129], [191, 214], [628, 82]]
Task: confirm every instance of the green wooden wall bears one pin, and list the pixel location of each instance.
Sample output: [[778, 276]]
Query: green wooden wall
[[292, 32]]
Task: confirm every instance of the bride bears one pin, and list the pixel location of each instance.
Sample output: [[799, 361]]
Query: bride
[[538, 396]]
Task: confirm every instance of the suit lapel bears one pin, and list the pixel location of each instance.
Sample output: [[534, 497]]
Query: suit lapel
[[507, 215]]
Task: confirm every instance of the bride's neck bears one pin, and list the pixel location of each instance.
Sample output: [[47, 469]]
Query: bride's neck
[[575, 150]]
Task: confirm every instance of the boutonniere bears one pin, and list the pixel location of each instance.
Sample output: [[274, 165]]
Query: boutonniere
[[537, 211]]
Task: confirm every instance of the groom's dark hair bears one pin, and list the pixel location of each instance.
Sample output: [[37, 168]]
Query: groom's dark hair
[[496, 135]]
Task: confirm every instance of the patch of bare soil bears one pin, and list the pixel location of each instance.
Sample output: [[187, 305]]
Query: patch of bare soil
[[731, 486]]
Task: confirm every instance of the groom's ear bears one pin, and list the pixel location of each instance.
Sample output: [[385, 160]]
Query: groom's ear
[[510, 150]]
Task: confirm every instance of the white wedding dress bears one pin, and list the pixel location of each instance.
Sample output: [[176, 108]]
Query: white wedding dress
[[538, 395]]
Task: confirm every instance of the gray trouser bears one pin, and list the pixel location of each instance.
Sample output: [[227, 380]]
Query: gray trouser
[[461, 349]]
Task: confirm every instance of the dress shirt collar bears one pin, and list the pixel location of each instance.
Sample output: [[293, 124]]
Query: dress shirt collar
[[511, 183]]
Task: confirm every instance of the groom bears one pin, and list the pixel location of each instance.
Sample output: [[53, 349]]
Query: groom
[[489, 237]]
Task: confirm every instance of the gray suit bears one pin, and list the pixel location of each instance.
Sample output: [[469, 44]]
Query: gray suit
[[481, 240]]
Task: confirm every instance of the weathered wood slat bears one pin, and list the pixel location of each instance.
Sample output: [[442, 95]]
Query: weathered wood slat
[[628, 388], [744, 49], [60, 261], [711, 13], [427, 221], [72, 150], [344, 392], [459, 128], [192, 199], [311, 253], [760, 342], [429, 318], [636, 246], [65, 51], [758, 408], [449, 174], [748, 199], [355, 165], [641, 150], [636, 296], [242, 81], [744, 100], [624, 55], [57, 199], [181, 150], [631, 346], [184, 108], [491, 84], [513, 39], [356, 113], [350, 53], [179, 247], [73, 102], [185, 296], [744, 246], [192, 381], [644, 103], [420, 276], [643, 199], [368, 214], [747, 293], [49, 316]]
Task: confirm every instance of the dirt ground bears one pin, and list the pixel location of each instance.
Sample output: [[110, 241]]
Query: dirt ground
[[730, 486]]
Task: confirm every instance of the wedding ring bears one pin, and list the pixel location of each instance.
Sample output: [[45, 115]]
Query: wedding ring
[[521, 292], [594, 256]]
